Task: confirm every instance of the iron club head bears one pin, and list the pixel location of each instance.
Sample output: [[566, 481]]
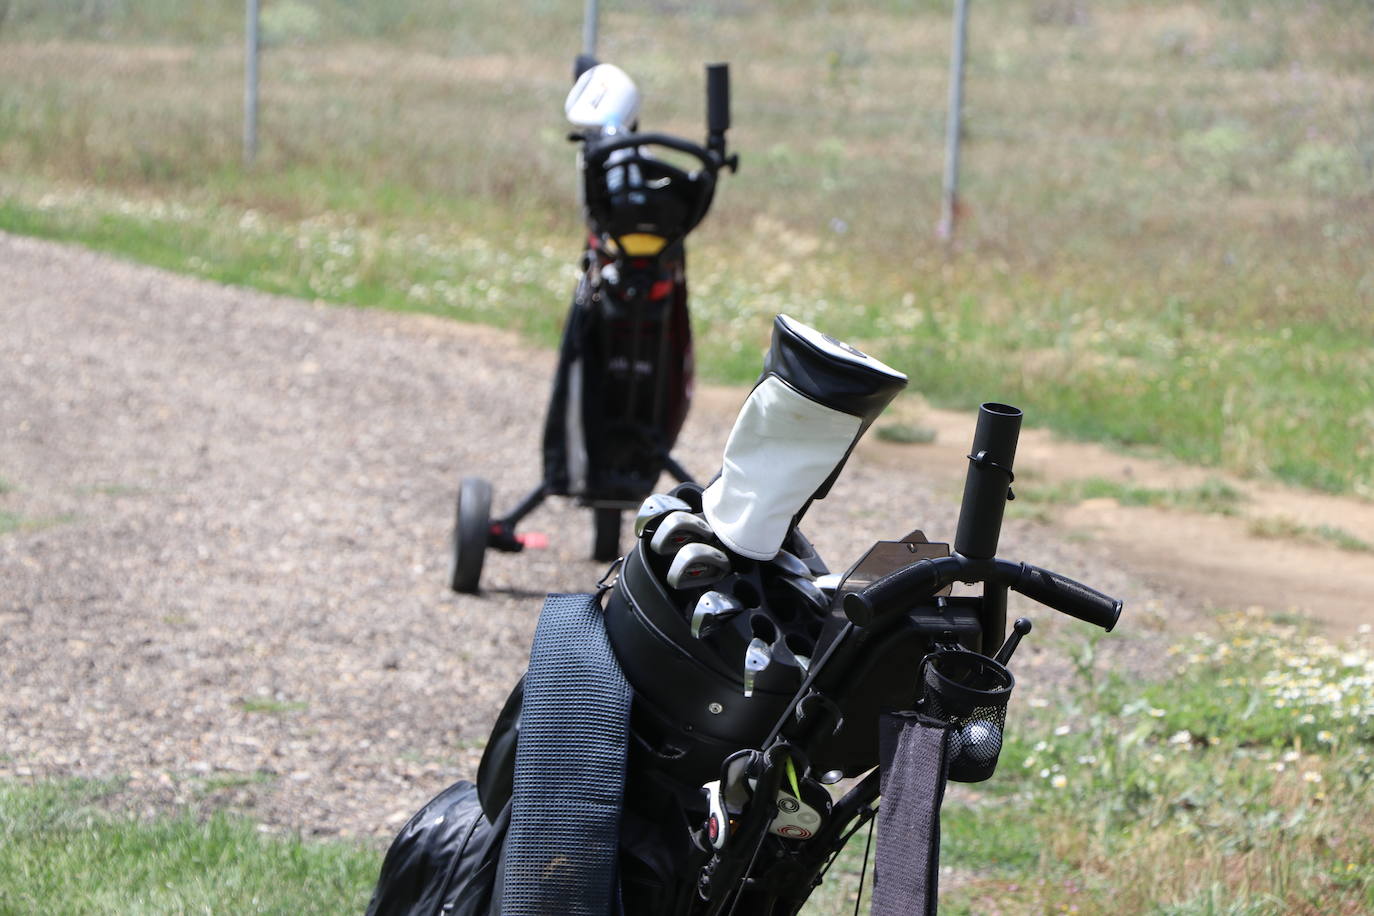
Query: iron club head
[[712, 610], [677, 530], [653, 509], [698, 565], [757, 657]]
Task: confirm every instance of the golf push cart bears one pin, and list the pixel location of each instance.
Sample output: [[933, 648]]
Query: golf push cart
[[677, 743], [624, 377]]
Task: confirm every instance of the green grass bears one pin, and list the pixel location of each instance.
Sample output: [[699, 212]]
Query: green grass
[[1291, 529], [270, 706], [61, 851], [905, 433], [1166, 237], [228, 782], [1212, 496], [11, 522], [1238, 785]]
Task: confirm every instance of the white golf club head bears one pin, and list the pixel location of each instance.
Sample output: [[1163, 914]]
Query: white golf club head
[[604, 98]]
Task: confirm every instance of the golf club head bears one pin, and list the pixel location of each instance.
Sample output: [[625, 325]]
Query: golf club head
[[791, 564], [756, 658], [603, 98], [806, 591], [830, 583], [653, 509], [713, 609], [677, 530], [697, 565]]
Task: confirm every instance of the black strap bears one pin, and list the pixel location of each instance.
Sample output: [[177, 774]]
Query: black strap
[[561, 850], [914, 756]]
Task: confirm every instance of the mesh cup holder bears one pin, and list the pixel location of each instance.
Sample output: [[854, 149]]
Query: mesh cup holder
[[970, 692]]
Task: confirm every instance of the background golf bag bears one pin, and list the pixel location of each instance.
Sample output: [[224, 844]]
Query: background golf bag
[[623, 383], [670, 747], [624, 379]]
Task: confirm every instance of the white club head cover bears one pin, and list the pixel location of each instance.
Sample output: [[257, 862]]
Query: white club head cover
[[603, 98], [783, 447], [793, 434]]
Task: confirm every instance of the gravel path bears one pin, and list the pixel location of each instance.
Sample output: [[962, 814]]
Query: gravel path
[[227, 581]]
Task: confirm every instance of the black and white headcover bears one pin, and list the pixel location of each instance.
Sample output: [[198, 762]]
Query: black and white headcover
[[816, 397]]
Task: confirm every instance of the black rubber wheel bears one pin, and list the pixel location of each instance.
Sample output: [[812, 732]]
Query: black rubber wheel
[[606, 535], [471, 529]]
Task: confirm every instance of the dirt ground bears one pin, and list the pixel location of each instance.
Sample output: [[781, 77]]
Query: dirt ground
[[223, 582]]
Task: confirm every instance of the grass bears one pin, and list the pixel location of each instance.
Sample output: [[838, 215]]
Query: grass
[[62, 851], [270, 706], [1237, 785], [905, 433], [1212, 496], [1286, 528], [1169, 206], [11, 522]]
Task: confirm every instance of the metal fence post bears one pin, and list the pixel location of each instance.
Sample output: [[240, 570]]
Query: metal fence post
[[250, 85], [949, 208], [589, 28]]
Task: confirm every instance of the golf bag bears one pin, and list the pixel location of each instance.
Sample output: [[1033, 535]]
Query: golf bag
[[623, 384], [624, 379], [672, 746]]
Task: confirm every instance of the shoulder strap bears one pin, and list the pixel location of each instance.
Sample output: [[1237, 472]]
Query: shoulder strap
[[914, 755], [561, 850]]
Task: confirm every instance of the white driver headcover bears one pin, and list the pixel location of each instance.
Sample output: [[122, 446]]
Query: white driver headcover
[[782, 448], [604, 98]]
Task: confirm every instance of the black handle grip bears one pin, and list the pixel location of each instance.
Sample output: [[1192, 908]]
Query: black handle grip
[[597, 151], [901, 589], [717, 98], [1066, 595]]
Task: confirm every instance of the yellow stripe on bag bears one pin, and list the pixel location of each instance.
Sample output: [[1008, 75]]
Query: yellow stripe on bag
[[642, 244]]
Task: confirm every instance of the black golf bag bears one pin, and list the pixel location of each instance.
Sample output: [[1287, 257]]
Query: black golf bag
[[672, 746], [624, 379], [623, 384]]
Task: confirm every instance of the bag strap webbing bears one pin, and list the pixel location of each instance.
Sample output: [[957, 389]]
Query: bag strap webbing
[[914, 756], [562, 846]]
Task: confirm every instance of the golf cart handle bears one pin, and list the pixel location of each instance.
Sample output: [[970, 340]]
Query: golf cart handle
[[597, 151], [717, 99], [911, 585], [1065, 595]]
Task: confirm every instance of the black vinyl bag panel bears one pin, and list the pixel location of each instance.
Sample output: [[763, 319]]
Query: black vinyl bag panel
[[444, 860], [559, 453], [622, 387], [496, 772]]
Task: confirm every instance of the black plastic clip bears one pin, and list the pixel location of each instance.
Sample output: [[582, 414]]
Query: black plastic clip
[[981, 460], [608, 581]]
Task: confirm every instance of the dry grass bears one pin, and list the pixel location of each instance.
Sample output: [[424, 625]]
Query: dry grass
[[1169, 207]]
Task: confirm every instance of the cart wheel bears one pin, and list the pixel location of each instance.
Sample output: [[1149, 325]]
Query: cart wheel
[[607, 535], [471, 528]]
